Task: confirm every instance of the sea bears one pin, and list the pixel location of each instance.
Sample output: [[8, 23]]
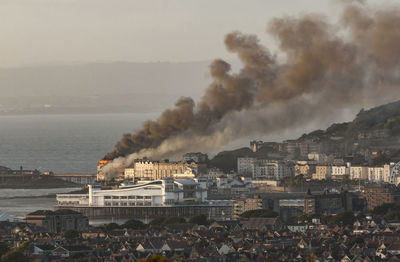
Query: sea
[[64, 143]]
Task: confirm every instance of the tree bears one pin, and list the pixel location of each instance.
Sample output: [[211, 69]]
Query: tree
[[71, 234], [157, 221], [155, 258], [356, 240], [311, 258], [110, 227], [3, 248], [134, 224], [389, 211], [346, 218], [173, 220], [383, 209], [199, 220], [17, 254], [259, 213]]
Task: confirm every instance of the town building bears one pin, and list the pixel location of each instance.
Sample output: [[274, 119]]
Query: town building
[[322, 172], [304, 169], [339, 172], [378, 194], [264, 169], [100, 165], [147, 200], [289, 208], [358, 173], [242, 205], [83, 179], [310, 206], [272, 170], [155, 170], [375, 174], [153, 193], [58, 221], [319, 158], [196, 157], [245, 165]]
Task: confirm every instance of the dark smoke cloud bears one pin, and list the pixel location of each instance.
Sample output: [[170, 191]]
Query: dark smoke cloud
[[327, 68]]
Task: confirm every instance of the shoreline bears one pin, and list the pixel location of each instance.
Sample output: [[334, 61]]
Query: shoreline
[[49, 195]]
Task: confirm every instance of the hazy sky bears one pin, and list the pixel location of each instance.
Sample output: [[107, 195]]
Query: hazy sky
[[68, 31]]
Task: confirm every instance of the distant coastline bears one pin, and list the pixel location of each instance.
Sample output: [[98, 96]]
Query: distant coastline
[[43, 183]]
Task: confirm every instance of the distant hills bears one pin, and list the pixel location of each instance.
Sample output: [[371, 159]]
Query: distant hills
[[100, 87]]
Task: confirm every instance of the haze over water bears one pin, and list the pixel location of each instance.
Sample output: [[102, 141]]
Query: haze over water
[[63, 143]]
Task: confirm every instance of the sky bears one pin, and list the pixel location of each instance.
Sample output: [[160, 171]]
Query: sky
[[37, 32]]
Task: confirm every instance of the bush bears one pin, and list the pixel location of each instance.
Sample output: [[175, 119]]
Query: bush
[[199, 220], [259, 213], [134, 224], [389, 211], [71, 234], [157, 221], [154, 258], [162, 221], [110, 227], [3, 248], [173, 220], [346, 218], [17, 254]]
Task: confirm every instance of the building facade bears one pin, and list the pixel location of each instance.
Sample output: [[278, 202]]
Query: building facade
[[83, 179], [154, 193], [322, 172], [378, 194], [245, 165], [196, 157], [339, 172], [358, 173], [58, 221], [242, 205], [155, 170]]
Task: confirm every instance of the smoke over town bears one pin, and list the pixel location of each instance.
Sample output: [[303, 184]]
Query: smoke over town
[[326, 69]]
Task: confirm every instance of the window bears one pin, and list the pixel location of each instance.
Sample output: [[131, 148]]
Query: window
[[107, 197]]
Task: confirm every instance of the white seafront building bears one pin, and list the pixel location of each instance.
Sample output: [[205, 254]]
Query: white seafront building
[[261, 169], [163, 192]]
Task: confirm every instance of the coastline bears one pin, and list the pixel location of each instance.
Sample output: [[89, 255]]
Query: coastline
[[42, 182]]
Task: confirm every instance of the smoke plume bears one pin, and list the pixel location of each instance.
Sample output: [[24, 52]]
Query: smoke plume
[[327, 68]]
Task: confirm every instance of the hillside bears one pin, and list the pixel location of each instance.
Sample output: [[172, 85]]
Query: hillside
[[375, 129], [384, 117]]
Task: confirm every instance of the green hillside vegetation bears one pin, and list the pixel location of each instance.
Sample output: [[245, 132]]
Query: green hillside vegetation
[[227, 160], [385, 117], [389, 211]]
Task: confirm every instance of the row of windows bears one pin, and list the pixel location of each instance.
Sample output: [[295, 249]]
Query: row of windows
[[127, 197], [127, 203], [65, 203]]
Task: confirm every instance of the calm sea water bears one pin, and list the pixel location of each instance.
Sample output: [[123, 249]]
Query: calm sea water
[[63, 143], [19, 202]]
